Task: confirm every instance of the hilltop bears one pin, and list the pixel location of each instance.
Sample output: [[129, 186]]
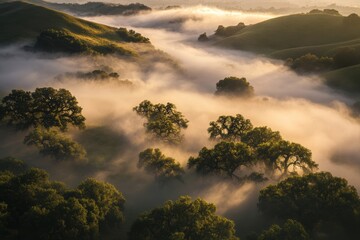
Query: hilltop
[[327, 36], [54, 31], [95, 8]]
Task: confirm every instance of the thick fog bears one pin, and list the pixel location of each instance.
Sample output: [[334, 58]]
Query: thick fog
[[301, 108]]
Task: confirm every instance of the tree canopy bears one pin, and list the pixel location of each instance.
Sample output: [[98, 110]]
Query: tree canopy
[[267, 146], [291, 230], [260, 135], [45, 107], [183, 219], [54, 144], [230, 128], [33, 207], [313, 199], [235, 87], [164, 122], [286, 157], [230, 159], [164, 168]]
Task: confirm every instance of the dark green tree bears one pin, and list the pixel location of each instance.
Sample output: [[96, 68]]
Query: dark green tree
[[164, 168], [313, 199], [234, 87], [33, 207], [183, 219], [291, 230], [230, 128], [260, 135], [285, 157], [54, 144], [12, 165], [228, 159], [107, 198], [45, 107], [164, 122]]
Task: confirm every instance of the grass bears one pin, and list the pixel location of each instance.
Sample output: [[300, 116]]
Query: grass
[[296, 35], [345, 79], [20, 22]]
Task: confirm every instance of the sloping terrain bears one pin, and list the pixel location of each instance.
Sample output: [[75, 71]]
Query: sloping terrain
[[293, 36], [24, 22]]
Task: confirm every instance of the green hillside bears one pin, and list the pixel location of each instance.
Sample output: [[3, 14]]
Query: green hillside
[[346, 79], [294, 36], [20, 22], [297, 34]]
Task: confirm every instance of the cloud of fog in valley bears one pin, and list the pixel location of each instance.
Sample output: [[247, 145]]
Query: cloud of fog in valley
[[301, 108]]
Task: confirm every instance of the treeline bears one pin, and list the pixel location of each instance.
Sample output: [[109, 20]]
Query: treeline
[[311, 63], [301, 208], [63, 41]]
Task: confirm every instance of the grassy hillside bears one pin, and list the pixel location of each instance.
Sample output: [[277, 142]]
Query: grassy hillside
[[20, 21], [346, 79], [294, 36]]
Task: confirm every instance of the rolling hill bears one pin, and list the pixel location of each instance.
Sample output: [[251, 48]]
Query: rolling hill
[[94, 8], [24, 22], [296, 35]]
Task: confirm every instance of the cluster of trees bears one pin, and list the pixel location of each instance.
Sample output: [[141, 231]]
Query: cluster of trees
[[352, 20], [62, 41], [311, 63], [234, 87], [162, 167], [242, 148], [303, 208], [53, 40], [325, 11], [229, 31], [33, 207], [97, 75], [164, 122], [131, 36], [317, 201], [183, 219], [242, 152], [44, 112]]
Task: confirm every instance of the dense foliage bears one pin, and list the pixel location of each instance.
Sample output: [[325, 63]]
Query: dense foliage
[[54, 144], [164, 122], [313, 200], [45, 107], [131, 36], [52, 40], [234, 87], [164, 168], [310, 63], [285, 157], [183, 219], [229, 31], [243, 149], [229, 159], [62, 41], [33, 207], [290, 230], [230, 128]]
